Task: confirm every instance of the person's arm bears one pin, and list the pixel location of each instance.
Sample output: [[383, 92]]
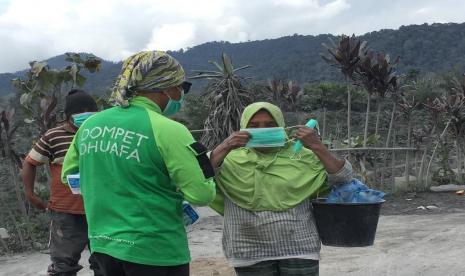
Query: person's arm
[[186, 161], [345, 174], [311, 140], [218, 203], [71, 162], [329, 161], [236, 140], [29, 175], [39, 155]]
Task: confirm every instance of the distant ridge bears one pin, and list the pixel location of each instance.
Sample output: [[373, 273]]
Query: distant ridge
[[427, 48]]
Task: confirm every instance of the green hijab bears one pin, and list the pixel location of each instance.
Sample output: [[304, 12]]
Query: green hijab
[[268, 181]]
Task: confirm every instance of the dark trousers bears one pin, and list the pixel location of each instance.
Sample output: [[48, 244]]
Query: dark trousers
[[68, 238], [111, 266], [285, 267]]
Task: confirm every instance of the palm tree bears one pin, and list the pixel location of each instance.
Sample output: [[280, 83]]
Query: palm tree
[[284, 93], [226, 97], [377, 75], [365, 76], [345, 56], [406, 108], [459, 123], [436, 114], [453, 104]]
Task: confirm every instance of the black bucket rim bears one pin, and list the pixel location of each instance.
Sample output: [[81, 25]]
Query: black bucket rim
[[320, 201], [346, 224]]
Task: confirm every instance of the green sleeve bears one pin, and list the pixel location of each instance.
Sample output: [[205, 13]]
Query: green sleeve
[[71, 162], [218, 203], [173, 141]]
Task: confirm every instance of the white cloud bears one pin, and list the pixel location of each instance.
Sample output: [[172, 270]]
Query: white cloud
[[170, 36], [114, 29]]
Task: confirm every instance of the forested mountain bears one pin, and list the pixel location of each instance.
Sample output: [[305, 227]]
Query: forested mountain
[[427, 48]]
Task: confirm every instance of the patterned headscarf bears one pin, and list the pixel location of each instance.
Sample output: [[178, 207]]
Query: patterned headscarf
[[148, 70]]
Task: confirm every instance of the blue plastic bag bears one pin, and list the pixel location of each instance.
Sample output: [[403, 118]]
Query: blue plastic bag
[[354, 192]]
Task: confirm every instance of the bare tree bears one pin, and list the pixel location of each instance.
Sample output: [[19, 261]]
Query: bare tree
[[42, 89], [7, 129]]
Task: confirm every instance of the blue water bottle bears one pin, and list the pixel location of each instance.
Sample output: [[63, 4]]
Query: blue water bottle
[[74, 183], [190, 216]]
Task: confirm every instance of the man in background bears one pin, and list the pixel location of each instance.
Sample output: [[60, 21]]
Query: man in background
[[68, 227]]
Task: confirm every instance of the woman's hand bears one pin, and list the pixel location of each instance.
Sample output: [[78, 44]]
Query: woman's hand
[[311, 140], [236, 140], [309, 137]]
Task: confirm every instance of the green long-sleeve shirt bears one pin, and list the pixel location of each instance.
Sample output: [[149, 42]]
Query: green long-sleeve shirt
[[135, 168]]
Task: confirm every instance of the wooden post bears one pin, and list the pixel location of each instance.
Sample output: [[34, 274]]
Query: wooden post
[[407, 155], [348, 115], [393, 160], [416, 166], [459, 160], [323, 132], [422, 166]]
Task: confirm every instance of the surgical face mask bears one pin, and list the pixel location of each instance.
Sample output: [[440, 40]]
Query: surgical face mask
[[266, 137], [173, 106], [79, 118]]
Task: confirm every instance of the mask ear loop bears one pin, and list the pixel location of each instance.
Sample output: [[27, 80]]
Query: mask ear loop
[[295, 156], [317, 128]]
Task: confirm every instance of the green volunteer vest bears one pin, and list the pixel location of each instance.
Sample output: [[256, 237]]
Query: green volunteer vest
[[132, 203]]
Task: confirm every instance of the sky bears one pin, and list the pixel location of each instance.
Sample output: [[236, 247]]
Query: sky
[[114, 29]]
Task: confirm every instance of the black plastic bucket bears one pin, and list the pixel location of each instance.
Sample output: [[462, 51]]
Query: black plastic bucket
[[346, 224]]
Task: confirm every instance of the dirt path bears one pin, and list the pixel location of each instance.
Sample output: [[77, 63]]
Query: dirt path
[[428, 244]]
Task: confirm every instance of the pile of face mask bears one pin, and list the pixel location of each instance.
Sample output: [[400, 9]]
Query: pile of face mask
[[354, 192]]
